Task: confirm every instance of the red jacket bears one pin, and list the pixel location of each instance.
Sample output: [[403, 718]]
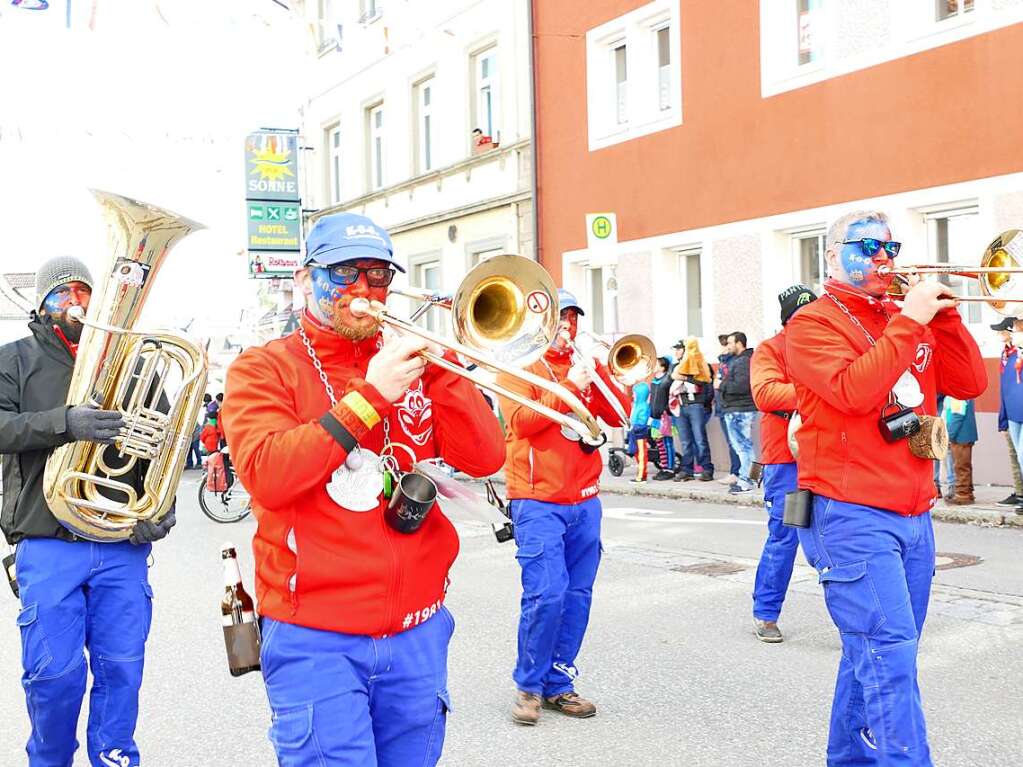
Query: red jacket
[[842, 383], [542, 464], [773, 392], [318, 564]]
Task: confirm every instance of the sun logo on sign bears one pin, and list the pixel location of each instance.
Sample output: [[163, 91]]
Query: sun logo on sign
[[270, 162]]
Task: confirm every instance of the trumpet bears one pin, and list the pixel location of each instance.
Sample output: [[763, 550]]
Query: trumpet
[[1002, 259], [503, 315], [630, 359]]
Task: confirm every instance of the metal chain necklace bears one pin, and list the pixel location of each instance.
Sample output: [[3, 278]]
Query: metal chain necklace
[[851, 317]]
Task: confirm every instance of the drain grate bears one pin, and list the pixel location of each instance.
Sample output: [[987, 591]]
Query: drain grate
[[711, 568], [950, 560]]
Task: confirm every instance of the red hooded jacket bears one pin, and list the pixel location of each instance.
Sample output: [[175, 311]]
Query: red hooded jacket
[[318, 564], [842, 384], [774, 393], [542, 464]]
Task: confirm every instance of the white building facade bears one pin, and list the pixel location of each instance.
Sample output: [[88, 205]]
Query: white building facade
[[419, 116]]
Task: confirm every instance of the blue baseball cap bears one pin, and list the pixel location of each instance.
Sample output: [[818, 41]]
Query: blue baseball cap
[[568, 301], [342, 237]]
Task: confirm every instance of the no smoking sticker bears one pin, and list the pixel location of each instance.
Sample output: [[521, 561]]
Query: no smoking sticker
[[538, 302]]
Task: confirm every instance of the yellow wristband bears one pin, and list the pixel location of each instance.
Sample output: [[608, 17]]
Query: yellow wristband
[[361, 407]]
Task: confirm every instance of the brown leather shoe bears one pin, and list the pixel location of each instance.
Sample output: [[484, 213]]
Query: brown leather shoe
[[961, 500], [570, 704], [527, 708]]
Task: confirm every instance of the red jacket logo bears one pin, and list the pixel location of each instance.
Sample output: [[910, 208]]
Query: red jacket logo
[[923, 357], [415, 415]]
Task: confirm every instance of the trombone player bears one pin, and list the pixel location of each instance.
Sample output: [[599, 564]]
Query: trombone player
[[553, 480], [321, 424], [75, 594]]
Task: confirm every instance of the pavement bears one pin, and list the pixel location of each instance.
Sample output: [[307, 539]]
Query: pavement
[[669, 658], [985, 511]]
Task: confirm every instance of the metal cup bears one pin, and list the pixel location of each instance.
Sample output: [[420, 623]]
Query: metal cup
[[412, 500]]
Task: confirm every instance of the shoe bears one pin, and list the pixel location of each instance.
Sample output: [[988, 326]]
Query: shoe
[[570, 704], [949, 497], [767, 631], [961, 500], [637, 481], [731, 479], [1012, 500], [707, 476], [527, 708], [681, 477], [663, 474], [738, 488]]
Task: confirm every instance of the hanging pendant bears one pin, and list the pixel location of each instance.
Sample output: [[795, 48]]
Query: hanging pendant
[[357, 487], [907, 391]]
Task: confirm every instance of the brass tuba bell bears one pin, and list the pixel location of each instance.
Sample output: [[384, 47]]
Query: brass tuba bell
[[120, 368]]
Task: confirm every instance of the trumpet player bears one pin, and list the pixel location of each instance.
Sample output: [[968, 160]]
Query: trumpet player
[[866, 371], [553, 484], [75, 594], [322, 425]]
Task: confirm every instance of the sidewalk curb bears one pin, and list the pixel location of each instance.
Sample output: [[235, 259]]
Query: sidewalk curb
[[973, 515]]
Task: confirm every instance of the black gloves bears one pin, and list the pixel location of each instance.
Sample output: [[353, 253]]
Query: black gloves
[[86, 423], [148, 532]]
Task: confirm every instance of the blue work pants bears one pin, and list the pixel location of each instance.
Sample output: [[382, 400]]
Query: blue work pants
[[559, 553], [77, 596], [779, 555], [347, 700], [876, 567], [691, 424]]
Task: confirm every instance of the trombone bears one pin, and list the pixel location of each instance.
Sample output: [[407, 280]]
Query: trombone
[[1002, 259], [630, 359], [503, 315]]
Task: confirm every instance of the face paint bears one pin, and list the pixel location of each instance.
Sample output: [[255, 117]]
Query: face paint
[[569, 324], [860, 270], [331, 301], [62, 298]]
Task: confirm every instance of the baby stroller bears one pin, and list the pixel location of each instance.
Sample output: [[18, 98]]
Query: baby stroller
[[618, 457]]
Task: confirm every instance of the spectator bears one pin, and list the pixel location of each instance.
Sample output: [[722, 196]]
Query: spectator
[[211, 435], [194, 458], [213, 407], [640, 430], [480, 142], [962, 434], [695, 396], [660, 417], [1015, 498], [950, 476], [740, 410], [1010, 412], [724, 357]]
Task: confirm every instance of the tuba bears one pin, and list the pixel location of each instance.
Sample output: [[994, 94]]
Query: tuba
[[120, 368]]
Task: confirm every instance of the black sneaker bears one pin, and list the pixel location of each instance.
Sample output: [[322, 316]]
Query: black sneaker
[[681, 477], [707, 476], [663, 474], [1012, 500]]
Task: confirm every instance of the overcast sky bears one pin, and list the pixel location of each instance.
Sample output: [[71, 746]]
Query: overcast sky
[[154, 101]]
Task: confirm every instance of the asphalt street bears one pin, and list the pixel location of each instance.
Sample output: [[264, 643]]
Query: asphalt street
[[670, 657]]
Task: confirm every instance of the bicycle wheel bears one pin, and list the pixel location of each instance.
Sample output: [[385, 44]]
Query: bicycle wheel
[[232, 505]]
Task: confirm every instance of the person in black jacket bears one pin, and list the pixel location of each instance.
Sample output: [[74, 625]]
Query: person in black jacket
[[660, 417], [75, 594], [736, 398]]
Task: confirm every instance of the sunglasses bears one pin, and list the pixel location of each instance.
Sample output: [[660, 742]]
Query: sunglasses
[[869, 246], [345, 274]]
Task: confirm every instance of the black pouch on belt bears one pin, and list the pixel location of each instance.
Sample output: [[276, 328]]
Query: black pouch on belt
[[798, 508]]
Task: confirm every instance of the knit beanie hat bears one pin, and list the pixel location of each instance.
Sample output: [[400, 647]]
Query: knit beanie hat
[[792, 299], [57, 271]]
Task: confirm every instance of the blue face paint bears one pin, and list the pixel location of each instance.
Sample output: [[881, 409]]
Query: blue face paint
[[325, 292], [861, 270]]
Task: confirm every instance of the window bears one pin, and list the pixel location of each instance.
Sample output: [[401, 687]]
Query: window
[[950, 235], [427, 275], [947, 9], [424, 125], [807, 19], [369, 10], [692, 288], [664, 68], [479, 256], [328, 27], [334, 164], [486, 94], [596, 309], [809, 252], [621, 69], [376, 146]]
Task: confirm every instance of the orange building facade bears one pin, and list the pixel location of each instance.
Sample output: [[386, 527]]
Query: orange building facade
[[720, 139]]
